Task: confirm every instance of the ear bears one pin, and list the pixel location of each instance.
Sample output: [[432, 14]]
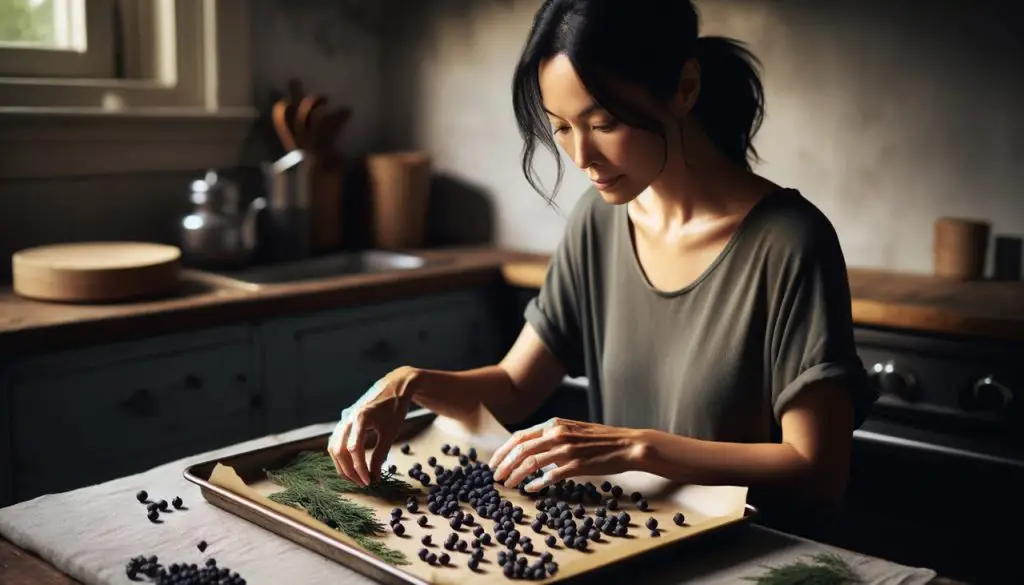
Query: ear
[[689, 88]]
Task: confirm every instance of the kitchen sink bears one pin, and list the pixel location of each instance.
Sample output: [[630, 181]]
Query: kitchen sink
[[328, 266]]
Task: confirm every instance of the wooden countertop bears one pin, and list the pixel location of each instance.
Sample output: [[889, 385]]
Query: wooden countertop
[[881, 299], [202, 300], [895, 300]]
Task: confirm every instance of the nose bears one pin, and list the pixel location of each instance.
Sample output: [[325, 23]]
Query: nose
[[583, 150]]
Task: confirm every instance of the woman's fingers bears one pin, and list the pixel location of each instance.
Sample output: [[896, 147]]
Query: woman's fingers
[[380, 454], [599, 458], [552, 476], [334, 445], [341, 455], [514, 461], [539, 454], [355, 447], [518, 437]]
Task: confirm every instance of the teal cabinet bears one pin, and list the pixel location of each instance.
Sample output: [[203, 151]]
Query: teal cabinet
[[83, 416], [79, 417], [316, 365]]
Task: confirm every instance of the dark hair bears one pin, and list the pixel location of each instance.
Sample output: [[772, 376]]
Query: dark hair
[[643, 43]]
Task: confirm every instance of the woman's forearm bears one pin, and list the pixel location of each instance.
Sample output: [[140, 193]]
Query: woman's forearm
[[457, 394], [771, 466]]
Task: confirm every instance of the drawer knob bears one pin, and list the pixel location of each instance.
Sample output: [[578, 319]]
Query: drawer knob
[[990, 395], [380, 351], [895, 380], [141, 404], [256, 401]]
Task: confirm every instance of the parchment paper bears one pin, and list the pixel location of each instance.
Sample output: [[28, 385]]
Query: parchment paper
[[705, 508]]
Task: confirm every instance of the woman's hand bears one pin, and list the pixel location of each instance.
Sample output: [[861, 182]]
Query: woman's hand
[[573, 447], [381, 409]]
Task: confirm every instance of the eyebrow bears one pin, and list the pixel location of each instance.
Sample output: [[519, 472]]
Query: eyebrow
[[593, 107]]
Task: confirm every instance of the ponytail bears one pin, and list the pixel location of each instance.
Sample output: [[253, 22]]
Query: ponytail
[[653, 40], [730, 107]]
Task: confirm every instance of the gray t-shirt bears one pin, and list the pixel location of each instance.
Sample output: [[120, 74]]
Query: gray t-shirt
[[721, 358]]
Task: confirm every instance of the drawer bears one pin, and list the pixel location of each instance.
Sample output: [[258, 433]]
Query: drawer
[[85, 416], [320, 364]]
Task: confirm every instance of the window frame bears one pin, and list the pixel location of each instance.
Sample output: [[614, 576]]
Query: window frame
[[194, 111], [96, 61]]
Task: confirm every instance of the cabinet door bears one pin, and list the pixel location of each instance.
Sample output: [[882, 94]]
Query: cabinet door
[[6, 456], [85, 416], [319, 364]]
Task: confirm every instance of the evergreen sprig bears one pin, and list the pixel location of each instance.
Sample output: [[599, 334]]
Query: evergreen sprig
[[318, 467], [826, 569], [312, 484]]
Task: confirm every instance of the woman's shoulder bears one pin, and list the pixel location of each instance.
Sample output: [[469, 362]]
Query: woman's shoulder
[[786, 222]]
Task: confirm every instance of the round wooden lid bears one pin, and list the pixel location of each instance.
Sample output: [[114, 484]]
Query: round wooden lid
[[94, 271]]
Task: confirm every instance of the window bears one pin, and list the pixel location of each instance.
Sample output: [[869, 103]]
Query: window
[[132, 77]]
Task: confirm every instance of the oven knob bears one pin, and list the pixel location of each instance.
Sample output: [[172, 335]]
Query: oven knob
[[988, 394], [894, 380]]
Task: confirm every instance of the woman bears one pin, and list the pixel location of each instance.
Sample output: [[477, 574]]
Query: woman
[[708, 307]]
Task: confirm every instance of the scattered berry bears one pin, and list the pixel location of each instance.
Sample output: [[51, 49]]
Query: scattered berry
[[202, 546], [422, 521], [642, 505], [142, 496], [679, 519], [153, 515], [162, 505], [406, 449], [652, 523], [177, 503]]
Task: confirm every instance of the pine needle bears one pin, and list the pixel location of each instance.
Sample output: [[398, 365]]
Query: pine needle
[[318, 467], [827, 569], [312, 484]]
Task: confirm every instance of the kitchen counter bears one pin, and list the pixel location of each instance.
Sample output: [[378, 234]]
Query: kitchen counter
[[87, 535], [896, 300], [202, 300], [880, 299]]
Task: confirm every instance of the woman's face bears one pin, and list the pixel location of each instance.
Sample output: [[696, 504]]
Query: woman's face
[[621, 161]]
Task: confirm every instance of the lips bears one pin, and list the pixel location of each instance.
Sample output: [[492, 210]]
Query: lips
[[605, 182]]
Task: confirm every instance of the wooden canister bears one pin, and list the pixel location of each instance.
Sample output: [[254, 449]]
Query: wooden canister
[[960, 247], [400, 189]]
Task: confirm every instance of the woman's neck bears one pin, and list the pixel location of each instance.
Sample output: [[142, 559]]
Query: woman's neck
[[703, 185]]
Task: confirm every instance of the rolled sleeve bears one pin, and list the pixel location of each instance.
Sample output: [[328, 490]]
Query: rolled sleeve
[[812, 335]]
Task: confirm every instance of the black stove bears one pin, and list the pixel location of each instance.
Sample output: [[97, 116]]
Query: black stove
[[938, 466]]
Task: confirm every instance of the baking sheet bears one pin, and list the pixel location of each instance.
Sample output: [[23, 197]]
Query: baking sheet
[[706, 508]]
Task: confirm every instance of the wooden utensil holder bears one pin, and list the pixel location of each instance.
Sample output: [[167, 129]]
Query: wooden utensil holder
[[400, 189], [960, 247], [325, 203]]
